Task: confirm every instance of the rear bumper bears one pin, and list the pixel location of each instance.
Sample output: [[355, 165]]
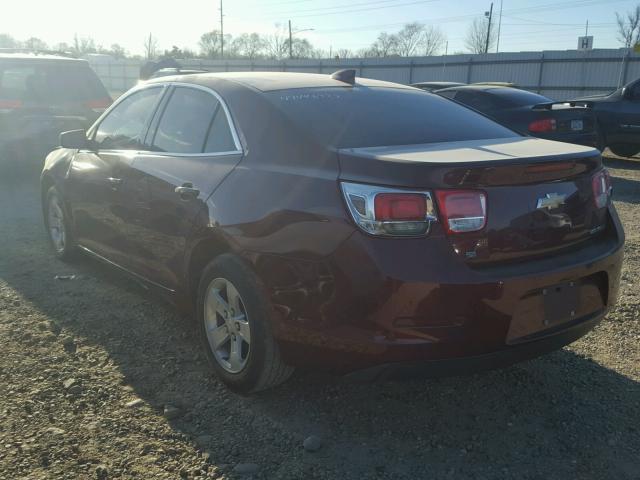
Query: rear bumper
[[371, 305], [478, 363]]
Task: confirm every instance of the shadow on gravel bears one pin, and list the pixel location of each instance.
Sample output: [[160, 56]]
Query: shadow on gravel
[[561, 416]]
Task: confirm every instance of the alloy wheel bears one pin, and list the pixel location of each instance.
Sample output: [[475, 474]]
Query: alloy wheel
[[55, 220], [227, 325]]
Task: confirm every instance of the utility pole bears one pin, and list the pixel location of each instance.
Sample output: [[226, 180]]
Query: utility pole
[[290, 41], [586, 29], [490, 15], [499, 28], [221, 31]]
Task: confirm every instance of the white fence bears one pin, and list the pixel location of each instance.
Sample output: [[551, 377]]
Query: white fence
[[556, 74]]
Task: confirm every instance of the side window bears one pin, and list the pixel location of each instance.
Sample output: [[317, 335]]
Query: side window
[[476, 100], [125, 126], [186, 121], [219, 138]]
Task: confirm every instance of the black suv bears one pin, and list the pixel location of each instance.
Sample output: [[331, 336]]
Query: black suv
[[41, 96], [618, 115]]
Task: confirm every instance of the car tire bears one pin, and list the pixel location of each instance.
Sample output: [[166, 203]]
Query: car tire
[[625, 149], [234, 324], [59, 227]]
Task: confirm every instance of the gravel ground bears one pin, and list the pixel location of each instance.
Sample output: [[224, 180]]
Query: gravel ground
[[99, 379]]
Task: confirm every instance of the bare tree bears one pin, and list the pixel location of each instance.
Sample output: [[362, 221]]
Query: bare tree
[[476, 39], [432, 41], [210, 44], [34, 43], [82, 45], [249, 45], [344, 53], [117, 51], [62, 47], [277, 44], [301, 48], [409, 39], [7, 41], [629, 27], [150, 47], [386, 44]]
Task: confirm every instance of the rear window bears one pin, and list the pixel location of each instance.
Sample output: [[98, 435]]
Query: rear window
[[370, 117], [49, 83], [519, 98]]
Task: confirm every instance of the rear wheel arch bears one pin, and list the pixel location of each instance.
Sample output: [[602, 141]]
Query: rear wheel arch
[[203, 253]]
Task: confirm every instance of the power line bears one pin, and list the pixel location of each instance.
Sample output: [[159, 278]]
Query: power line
[[337, 7], [362, 9]]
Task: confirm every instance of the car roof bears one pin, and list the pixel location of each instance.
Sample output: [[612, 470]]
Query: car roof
[[271, 81], [31, 57]]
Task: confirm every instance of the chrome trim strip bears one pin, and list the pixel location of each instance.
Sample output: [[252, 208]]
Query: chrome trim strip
[[113, 264]]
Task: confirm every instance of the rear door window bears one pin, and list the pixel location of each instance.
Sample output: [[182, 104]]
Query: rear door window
[[219, 138], [193, 122], [126, 124]]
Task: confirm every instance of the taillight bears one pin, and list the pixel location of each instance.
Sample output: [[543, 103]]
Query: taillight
[[601, 184], [544, 125], [389, 212], [462, 210], [9, 105], [98, 105]]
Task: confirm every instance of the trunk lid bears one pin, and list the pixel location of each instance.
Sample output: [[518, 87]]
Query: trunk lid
[[539, 193]]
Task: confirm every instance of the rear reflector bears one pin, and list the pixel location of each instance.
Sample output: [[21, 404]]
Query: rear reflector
[[98, 105], [544, 125], [462, 210], [601, 184]]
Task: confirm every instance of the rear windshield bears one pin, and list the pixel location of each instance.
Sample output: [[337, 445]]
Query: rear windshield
[[518, 98], [370, 117], [49, 83]]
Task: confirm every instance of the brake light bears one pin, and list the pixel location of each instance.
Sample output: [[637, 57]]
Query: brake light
[[462, 210], [8, 105], [98, 105], [389, 212], [544, 125], [601, 184]]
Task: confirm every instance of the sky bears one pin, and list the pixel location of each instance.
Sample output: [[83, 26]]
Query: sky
[[527, 25]]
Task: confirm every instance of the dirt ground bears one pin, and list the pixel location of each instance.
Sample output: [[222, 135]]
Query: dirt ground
[[99, 379]]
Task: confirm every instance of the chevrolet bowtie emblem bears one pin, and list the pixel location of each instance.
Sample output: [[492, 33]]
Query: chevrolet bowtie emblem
[[551, 201]]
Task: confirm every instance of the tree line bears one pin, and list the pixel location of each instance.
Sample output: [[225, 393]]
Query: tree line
[[413, 39]]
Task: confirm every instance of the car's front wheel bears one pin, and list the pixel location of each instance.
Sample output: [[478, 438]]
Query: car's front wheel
[[234, 322], [625, 149], [59, 228]]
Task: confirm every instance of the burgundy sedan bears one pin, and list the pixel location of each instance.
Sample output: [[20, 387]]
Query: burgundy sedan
[[354, 225]]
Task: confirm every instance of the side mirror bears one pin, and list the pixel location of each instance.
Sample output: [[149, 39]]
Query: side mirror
[[76, 139]]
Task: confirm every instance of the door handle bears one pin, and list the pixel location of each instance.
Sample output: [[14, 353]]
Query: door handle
[[187, 191]]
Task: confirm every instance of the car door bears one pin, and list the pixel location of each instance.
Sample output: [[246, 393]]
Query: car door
[[626, 114], [194, 145], [98, 178]]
